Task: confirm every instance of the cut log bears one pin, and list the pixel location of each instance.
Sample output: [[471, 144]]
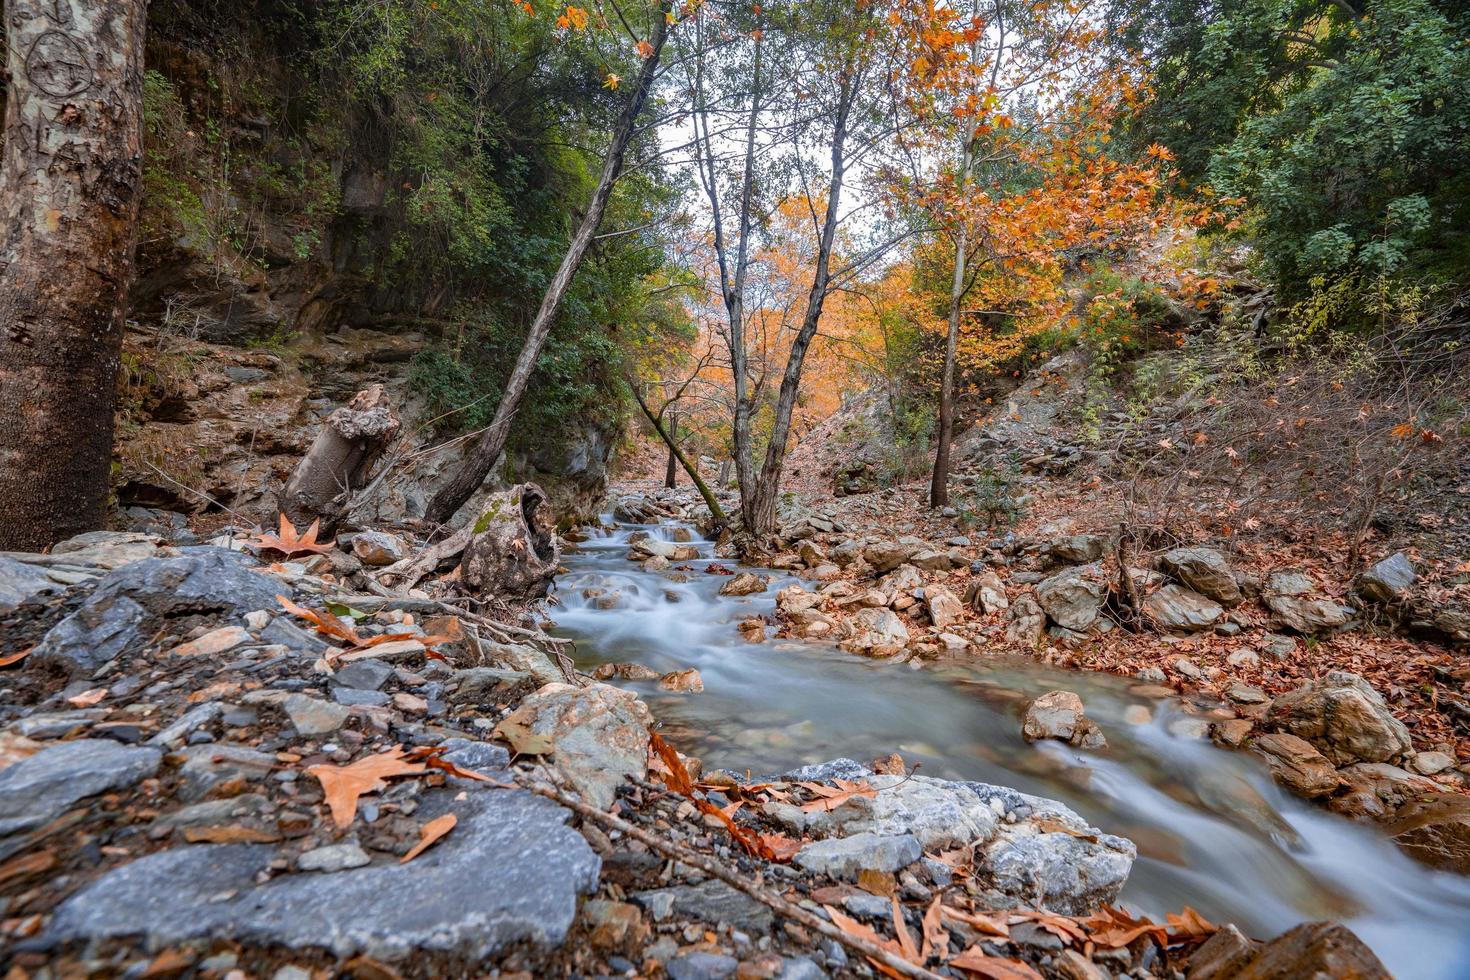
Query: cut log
[[513, 551], [340, 461]]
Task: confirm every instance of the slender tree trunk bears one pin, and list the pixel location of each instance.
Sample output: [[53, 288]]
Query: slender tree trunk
[[486, 451], [672, 468], [69, 196], [704, 491]]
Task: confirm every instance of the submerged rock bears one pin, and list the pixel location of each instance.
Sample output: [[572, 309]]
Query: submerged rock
[[1060, 715]]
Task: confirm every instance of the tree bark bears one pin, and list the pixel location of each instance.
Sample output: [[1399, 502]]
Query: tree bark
[[487, 450], [671, 469], [512, 553], [70, 179], [704, 491], [340, 461]]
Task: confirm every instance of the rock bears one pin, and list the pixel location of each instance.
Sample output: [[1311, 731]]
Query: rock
[[1297, 764], [514, 551], [699, 965], [616, 926], [930, 560], [844, 857], [310, 716], [1278, 647], [625, 671], [378, 549], [207, 767], [745, 583], [214, 642], [811, 554], [1344, 717], [107, 549], [1153, 675], [794, 599], [43, 785], [363, 675], [598, 735], [1056, 714], [526, 660], [1175, 608], [1027, 622], [1387, 581], [1204, 570], [471, 895], [204, 581], [1242, 693], [333, 857], [1430, 763], [944, 609], [1078, 549], [986, 593], [1073, 598], [885, 556], [684, 681], [21, 583], [1246, 659], [1286, 596], [1435, 829], [710, 901], [876, 633], [1231, 732], [351, 697], [1222, 955], [1314, 950], [195, 718]]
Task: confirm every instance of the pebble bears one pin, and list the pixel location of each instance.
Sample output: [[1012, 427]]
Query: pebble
[[333, 857]]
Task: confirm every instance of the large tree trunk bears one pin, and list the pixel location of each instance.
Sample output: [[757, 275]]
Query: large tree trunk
[[487, 450], [69, 196], [340, 461], [512, 553]]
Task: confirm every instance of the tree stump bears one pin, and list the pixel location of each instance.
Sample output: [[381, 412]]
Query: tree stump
[[513, 551], [340, 460]]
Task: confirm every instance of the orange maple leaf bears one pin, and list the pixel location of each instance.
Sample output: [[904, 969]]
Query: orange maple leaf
[[288, 541], [342, 785]]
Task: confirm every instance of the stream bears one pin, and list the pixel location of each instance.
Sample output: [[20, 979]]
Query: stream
[[1213, 831]]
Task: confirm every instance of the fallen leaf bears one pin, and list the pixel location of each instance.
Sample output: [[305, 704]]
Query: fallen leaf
[[1050, 825], [861, 931], [288, 541], [838, 793], [983, 923], [329, 626], [975, 960], [936, 937], [342, 785], [782, 848], [169, 963], [27, 865], [431, 756], [15, 658], [432, 831], [88, 698], [879, 883], [229, 834], [906, 945], [516, 731]]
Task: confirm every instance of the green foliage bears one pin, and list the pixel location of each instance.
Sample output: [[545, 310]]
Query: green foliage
[[985, 499]]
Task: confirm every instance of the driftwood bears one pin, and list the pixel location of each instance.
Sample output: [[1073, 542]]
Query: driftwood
[[340, 461], [512, 551]]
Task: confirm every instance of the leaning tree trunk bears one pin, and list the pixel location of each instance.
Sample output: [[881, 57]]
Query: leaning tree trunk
[[340, 461], [487, 450], [513, 551], [671, 468], [69, 194]]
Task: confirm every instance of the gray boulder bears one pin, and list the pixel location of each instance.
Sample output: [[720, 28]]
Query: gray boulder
[[1288, 595], [1077, 549], [40, 787], [845, 857], [1177, 609], [1388, 580], [1344, 717], [21, 583], [474, 893], [1204, 570], [1073, 598]]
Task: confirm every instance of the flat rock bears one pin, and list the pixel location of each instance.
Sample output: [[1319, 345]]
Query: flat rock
[[471, 895], [311, 716], [845, 857], [714, 902], [334, 857], [1436, 830], [43, 785], [1287, 594], [21, 583], [700, 965], [598, 735]]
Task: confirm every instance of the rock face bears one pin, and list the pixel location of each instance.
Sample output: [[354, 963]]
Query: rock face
[[876, 633], [1287, 594], [1436, 830], [598, 735], [40, 787], [1204, 570], [1177, 609], [477, 891], [1059, 715], [203, 581], [1073, 598], [1388, 580], [1020, 845], [1297, 764], [1344, 717], [1314, 950]]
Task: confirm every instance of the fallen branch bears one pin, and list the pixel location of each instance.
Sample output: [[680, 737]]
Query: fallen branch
[[694, 859], [409, 571]]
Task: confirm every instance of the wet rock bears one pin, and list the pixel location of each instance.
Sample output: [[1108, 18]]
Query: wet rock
[[598, 735], [42, 786], [1204, 570], [625, 671], [1177, 609], [334, 857], [473, 894], [1222, 955], [1231, 732], [745, 583], [986, 593], [1073, 598], [379, 549], [685, 681], [1387, 581], [204, 581], [710, 901], [1435, 829], [1060, 715], [1314, 949], [1297, 764], [1344, 717], [1078, 549], [845, 857], [1287, 594], [944, 609], [1027, 622], [876, 633]]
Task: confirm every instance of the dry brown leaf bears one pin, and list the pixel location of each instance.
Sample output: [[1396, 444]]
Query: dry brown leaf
[[342, 785], [432, 756], [431, 832], [328, 625], [1058, 925], [26, 865], [994, 927], [783, 848], [906, 946], [87, 698], [875, 882], [838, 793], [861, 931], [974, 960], [15, 658], [229, 834], [1050, 825], [936, 937], [288, 541]]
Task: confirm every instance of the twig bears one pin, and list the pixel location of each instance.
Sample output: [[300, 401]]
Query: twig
[[694, 859], [412, 569]]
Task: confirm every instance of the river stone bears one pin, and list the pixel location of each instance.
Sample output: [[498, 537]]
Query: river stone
[[1055, 714], [1297, 764], [746, 583], [1436, 830], [43, 785], [311, 716], [1388, 580], [1027, 622], [930, 560], [710, 901], [1175, 608], [21, 583], [598, 735], [1344, 717], [509, 873], [904, 578], [877, 632], [1222, 955], [378, 548], [525, 659], [1313, 950], [845, 857], [205, 767], [944, 609], [203, 581], [701, 965], [1204, 570], [334, 857], [1287, 594], [1073, 598]]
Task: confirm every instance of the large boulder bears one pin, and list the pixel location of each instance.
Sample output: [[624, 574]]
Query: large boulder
[[21, 583], [1204, 570], [1387, 581], [1311, 951], [1343, 716], [1176, 609], [1077, 549], [876, 632], [885, 556], [130, 604], [1435, 829], [597, 735], [1288, 595], [1073, 598], [513, 552], [1297, 764]]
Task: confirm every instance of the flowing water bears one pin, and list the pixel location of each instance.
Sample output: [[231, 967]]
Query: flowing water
[[1213, 831]]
